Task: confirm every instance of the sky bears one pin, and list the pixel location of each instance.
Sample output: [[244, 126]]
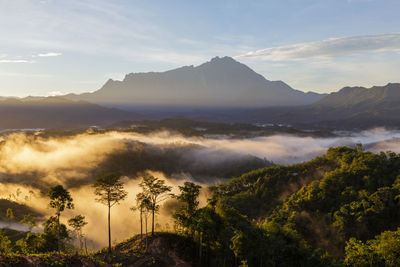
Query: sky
[[52, 47]]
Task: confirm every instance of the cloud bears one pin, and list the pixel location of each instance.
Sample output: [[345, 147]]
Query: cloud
[[333, 47], [50, 54], [55, 93], [15, 61]]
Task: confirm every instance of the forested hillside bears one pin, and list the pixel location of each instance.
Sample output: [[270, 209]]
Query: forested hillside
[[341, 208]]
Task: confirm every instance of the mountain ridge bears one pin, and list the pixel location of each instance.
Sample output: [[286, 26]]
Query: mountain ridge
[[220, 82], [53, 112]]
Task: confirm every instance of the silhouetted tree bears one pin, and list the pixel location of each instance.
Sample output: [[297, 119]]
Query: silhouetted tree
[[156, 190], [77, 223], [60, 199], [110, 191], [143, 205]]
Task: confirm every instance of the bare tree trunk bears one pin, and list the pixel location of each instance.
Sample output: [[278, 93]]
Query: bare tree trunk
[[146, 229], [152, 222], [86, 247], [141, 225], [58, 233], [109, 230], [80, 240], [200, 245]]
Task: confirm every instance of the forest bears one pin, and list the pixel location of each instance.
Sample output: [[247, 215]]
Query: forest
[[339, 209]]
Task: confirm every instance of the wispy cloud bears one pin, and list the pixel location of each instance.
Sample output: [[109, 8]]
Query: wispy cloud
[[50, 54], [55, 93], [15, 61], [334, 47]]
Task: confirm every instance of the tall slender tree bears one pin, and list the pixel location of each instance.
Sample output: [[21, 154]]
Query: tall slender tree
[[109, 191], [157, 191], [77, 223], [143, 205], [60, 199]]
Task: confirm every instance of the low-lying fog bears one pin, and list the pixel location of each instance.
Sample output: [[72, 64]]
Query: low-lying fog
[[57, 160]]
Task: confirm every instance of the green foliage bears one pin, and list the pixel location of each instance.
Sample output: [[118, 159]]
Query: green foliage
[[34, 243], [310, 209], [156, 191], [54, 233], [18, 209], [60, 199], [5, 243], [185, 213], [340, 208], [77, 222], [10, 214], [383, 250], [30, 220], [109, 190]]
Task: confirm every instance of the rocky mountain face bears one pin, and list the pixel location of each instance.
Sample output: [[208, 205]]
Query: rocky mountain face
[[221, 82]]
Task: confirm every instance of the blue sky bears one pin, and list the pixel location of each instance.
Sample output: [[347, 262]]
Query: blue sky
[[54, 46]]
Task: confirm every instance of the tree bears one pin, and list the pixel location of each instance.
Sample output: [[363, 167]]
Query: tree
[[110, 191], [184, 214], [60, 199], [5, 243], [10, 214], [143, 205], [54, 234], [30, 220], [156, 190], [77, 223]]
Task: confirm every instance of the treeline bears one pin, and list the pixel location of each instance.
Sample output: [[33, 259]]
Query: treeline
[[109, 190], [340, 209]]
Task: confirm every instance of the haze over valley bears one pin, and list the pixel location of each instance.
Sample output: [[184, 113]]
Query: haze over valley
[[210, 133]]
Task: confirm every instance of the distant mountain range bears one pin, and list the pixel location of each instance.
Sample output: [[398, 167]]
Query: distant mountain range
[[350, 107], [52, 112], [222, 90], [221, 82]]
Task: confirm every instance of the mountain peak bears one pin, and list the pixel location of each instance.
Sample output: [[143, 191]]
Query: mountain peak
[[223, 59], [220, 82]]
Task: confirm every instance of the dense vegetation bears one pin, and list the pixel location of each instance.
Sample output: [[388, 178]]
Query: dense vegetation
[[340, 209]]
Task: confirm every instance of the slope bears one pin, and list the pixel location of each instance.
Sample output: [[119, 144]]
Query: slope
[[221, 82]]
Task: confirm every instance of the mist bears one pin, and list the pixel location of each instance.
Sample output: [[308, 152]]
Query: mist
[[32, 163], [125, 222]]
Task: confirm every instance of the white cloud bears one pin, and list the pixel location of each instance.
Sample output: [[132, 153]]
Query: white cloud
[[333, 47], [50, 54], [15, 61], [55, 93]]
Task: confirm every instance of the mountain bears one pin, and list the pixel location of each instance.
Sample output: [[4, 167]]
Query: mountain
[[379, 105], [387, 96], [221, 82], [56, 112], [350, 107]]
